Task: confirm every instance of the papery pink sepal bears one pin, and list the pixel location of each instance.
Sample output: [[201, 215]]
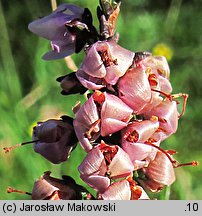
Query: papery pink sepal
[[134, 89], [120, 168], [117, 191]]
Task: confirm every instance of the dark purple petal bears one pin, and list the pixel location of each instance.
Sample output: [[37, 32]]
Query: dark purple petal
[[52, 27], [63, 52], [55, 139]]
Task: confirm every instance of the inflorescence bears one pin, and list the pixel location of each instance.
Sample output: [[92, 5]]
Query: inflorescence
[[130, 110]]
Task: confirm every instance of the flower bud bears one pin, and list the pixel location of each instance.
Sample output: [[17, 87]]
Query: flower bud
[[49, 188], [55, 139], [70, 84]]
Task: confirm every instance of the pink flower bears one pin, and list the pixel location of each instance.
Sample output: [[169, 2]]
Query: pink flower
[[168, 116], [134, 141], [87, 124], [159, 173], [103, 163], [103, 114], [134, 89], [141, 87], [157, 64], [104, 64], [158, 73], [117, 191]]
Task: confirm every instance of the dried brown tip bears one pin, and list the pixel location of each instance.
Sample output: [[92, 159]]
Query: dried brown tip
[[8, 149], [12, 190]]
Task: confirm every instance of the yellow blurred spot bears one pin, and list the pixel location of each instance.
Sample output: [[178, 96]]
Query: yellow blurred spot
[[30, 129], [163, 49]]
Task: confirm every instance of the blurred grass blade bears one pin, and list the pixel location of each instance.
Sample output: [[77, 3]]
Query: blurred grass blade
[[11, 84]]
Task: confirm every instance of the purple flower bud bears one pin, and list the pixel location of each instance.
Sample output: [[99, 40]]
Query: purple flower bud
[[70, 84], [54, 28], [106, 61], [49, 188], [102, 163], [55, 139]]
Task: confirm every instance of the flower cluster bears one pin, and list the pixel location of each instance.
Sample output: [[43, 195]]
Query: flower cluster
[[129, 111]]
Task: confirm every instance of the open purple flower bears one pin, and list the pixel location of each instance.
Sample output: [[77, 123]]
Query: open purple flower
[[54, 28]]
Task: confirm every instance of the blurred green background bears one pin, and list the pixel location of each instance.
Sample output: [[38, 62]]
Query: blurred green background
[[29, 92]]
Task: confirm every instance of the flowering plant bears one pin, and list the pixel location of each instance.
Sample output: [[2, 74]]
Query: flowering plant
[[130, 110]]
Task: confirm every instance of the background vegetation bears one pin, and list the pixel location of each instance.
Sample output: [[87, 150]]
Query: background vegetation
[[29, 92]]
